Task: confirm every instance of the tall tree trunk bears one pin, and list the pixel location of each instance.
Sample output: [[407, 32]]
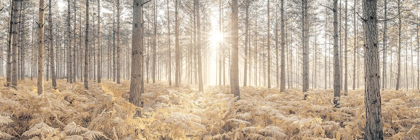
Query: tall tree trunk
[[40, 86], [336, 59], [373, 129], [137, 86], [74, 66], [99, 43], [246, 39], [354, 45], [15, 38], [114, 66], [177, 49], [154, 41], [283, 35], [53, 75], [169, 47], [345, 51], [384, 47], [399, 47], [305, 41], [200, 69], [10, 44], [118, 44], [86, 71], [268, 45], [234, 71], [69, 69]]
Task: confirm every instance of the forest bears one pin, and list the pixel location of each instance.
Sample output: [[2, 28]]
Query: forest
[[209, 69]]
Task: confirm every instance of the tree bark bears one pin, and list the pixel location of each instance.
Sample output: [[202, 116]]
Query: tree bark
[[305, 41], [99, 43], [345, 51], [336, 59], [246, 40], [69, 69], [137, 86], [40, 86], [53, 75], [177, 49], [200, 69], [399, 47], [373, 129], [15, 38], [86, 71], [268, 46], [234, 71], [283, 35], [384, 49], [118, 44]]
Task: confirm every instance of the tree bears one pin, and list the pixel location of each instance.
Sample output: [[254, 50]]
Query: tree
[[283, 36], [305, 42], [136, 86], [384, 52], [118, 44], [345, 50], [337, 84], [268, 45], [16, 9], [234, 71], [99, 43], [40, 86], [86, 71], [373, 129], [69, 60], [246, 39], [53, 75], [200, 69], [399, 47], [169, 47], [154, 41], [10, 44], [177, 49]]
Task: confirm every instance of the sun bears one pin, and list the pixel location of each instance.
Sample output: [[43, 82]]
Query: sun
[[216, 37]]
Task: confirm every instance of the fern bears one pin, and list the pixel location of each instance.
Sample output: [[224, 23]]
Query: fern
[[40, 129], [73, 129]]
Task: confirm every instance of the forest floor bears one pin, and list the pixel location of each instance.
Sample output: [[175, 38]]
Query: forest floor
[[103, 112]]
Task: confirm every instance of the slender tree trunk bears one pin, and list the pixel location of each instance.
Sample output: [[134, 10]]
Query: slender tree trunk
[[384, 47], [336, 59], [86, 71], [268, 46], [10, 44], [283, 35], [177, 49], [53, 75], [246, 39], [305, 41], [345, 51], [399, 47], [99, 43], [234, 71], [69, 70], [200, 69], [169, 47], [15, 38], [373, 129], [40, 87], [154, 41], [355, 44], [118, 44]]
